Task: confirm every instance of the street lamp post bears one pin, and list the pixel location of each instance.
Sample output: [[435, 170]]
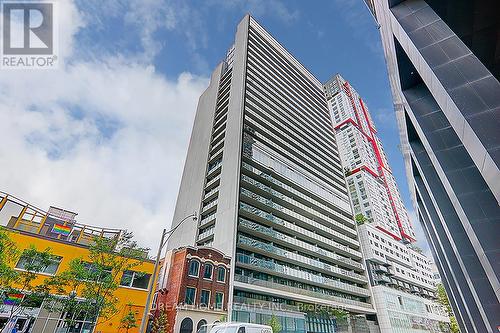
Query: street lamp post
[[163, 241]]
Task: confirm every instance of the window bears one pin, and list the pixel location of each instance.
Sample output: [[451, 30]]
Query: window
[[202, 324], [35, 264], [241, 330], [219, 300], [221, 274], [190, 296], [205, 298], [208, 271], [135, 279], [95, 272], [194, 268]]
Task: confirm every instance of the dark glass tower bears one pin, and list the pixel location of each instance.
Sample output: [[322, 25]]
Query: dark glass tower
[[444, 65]]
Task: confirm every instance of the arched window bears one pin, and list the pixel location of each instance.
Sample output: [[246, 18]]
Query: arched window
[[200, 324], [194, 268], [221, 274], [186, 326], [209, 268]]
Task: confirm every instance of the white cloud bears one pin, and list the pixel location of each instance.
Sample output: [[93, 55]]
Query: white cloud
[[105, 138], [148, 16]]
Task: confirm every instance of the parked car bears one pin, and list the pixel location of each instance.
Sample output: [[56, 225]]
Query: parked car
[[235, 328]]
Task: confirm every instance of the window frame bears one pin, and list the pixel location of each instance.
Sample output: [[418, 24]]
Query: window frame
[[207, 304], [211, 271], [89, 266], [54, 258], [193, 261], [216, 305], [194, 295], [225, 273], [132, 279]]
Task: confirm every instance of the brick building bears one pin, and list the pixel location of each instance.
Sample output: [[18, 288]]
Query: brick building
[[192, 288]]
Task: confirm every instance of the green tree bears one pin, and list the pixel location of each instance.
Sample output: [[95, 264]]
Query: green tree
[[20, 287], [160, 323], [444, 301], [9, 254], [275, 324], [360, 219], [416, 248], [129, 320], [87, 287]]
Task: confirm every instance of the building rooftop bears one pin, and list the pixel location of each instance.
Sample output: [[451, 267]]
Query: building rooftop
[[56, 223]]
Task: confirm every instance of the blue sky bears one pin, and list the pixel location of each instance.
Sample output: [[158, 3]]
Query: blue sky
[[107, 133]]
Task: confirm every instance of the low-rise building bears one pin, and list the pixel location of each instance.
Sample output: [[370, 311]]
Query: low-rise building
[[193, 288], [67, 239]]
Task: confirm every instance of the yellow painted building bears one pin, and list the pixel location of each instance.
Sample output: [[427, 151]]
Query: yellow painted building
[[56, 229]]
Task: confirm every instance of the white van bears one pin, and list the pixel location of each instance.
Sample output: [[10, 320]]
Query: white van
[[235, 328]]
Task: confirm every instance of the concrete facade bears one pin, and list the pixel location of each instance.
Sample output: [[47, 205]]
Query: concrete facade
[[443, 67]]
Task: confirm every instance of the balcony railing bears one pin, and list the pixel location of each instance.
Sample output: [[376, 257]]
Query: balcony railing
[[206, 233], [292, 213], [287, 255], [294, 242], [55, 223], [273, 268], [300, 291], [300, 205], [289, 188], [298, 229]]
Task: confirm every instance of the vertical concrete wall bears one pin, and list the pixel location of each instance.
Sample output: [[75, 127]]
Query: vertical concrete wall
[[227, 208], [193, 175]]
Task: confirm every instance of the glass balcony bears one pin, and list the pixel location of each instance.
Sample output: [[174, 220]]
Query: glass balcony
[[304, 180], [338, 202], [206, 233], [207, 207], [291, 213], [213, 166], [212, 183], [300, 291], [382, 279], [210, 194], [381, 269], [207, 219], [300, 259], [273, 268], [300, 205], [334, 234], [294, 241]]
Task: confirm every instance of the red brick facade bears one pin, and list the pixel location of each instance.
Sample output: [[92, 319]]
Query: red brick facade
[[172, 295]]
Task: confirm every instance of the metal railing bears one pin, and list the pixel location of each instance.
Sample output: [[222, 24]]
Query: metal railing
[[18, 214], [300, 274], [300, 291]]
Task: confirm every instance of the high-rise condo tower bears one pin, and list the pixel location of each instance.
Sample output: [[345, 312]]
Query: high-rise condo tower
[[264, 172]]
